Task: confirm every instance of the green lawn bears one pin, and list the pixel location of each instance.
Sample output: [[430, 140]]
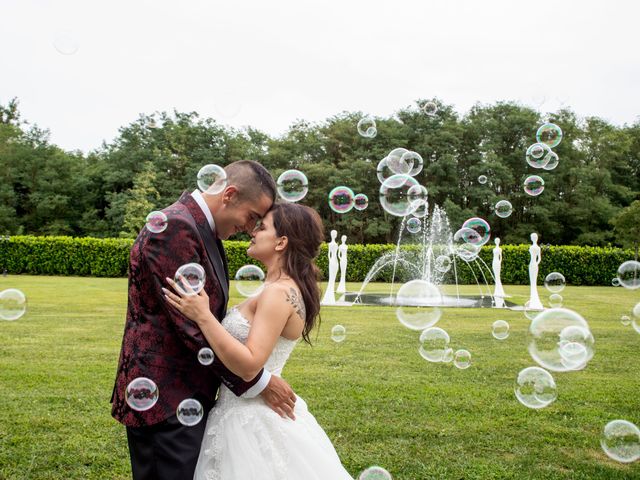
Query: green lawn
[[378, 400]]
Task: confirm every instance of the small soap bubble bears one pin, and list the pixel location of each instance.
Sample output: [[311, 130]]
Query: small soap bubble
[[65, 44], [212, 179], [537, 155], [206, 356], [443, 263], [341, 199], [360, 202], [629, 274], [367, 127], [533, 185], [194, 276], [549, 134], [462, 359], [397, 161], [156, 222], [504, 208], [535, 388], [615, 282], [555, 300], [448, 356], [394, 195], [482, 179], [338, 333], [422, 208], [625, 320], [249, 280], [621, 441], [189, 412], [414, 225], [142, 394], [292, 185], [383, 171], [415, 160], [13, 304], [481, 227], [463, 249], [375, 473], [500, 329], [430, 108], [555, 282], [434, 343], [553, 161]]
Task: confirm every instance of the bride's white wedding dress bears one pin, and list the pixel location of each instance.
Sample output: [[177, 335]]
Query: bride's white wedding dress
[[246, 440]]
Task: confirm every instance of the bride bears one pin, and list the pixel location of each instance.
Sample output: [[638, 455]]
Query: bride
[[244, 438]]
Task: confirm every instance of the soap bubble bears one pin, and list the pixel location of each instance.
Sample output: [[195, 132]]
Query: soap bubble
[[415, 159], [383, 171], [189, 412], [500, 329], [560, 340], [418, 302], [482, 179], [422, 208], [635, 323], [338, 333], [394, 195], [504, 208], [535, 388], [414, 225], [367, 127], [481, 227], [629, 274], [467, 251], [537, 155], [443, 263], [360, 201], [249, 280], [430, 108], [13, 304], [142, 394], [397, 161], [554, 282], [206, 356], [625, 320], [636, 311], [341, 199], [417, 194], [555, 300], [194, 276], [292, 185], [212, 179], [156, 222], [621, 441], [549, 134], [529, 312], [533, 185], [615, 281], [375, 473], [434, 342], [448, 356], [553, 161], [462, 359], [65, 44]]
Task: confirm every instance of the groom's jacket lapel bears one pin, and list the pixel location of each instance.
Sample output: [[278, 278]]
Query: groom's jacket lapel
[[214, 247]]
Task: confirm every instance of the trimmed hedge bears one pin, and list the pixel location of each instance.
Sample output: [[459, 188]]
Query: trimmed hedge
[[109, 258]]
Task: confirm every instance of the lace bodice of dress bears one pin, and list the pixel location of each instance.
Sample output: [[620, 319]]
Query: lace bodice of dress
[[239, 327]]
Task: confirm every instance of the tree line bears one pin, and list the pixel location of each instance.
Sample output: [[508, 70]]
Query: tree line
[[588, 199]]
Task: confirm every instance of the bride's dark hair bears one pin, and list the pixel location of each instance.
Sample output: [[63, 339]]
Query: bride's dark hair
[[303, 228]]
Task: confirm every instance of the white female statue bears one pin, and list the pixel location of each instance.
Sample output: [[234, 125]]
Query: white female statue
[[329, 297], [497, 267], [534, 252], [342, 256]]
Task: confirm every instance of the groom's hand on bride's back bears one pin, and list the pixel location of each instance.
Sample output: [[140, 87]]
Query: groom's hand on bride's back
[[279, 395]]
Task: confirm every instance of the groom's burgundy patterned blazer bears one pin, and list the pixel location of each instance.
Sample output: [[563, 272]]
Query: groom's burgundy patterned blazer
[[159, 343]]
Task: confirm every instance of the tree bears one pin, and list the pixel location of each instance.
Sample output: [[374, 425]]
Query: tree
[[141, 199], [627, 225]]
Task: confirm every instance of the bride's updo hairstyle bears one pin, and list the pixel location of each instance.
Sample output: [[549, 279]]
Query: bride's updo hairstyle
[[303, 228]]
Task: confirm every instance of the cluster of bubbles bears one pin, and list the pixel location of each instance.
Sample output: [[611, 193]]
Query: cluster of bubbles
[[292, 185], [539, 155], [342, 200], [13, 304], [367, 127], [249, 280]]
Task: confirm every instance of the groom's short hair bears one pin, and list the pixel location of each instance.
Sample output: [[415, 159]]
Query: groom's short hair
[[252, 180]]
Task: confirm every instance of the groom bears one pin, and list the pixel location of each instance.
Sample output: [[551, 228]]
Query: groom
[[162, 345]]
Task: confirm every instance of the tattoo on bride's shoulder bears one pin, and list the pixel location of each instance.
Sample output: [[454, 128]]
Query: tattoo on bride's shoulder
[[295, 299]]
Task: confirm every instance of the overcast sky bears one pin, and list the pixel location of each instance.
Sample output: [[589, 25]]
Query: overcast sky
[[267, 63]]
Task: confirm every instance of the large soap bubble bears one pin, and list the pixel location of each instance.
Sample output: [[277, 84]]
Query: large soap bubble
[[190, 278], [560, 340], [249, 280], [292, 185], [13, 304], [504, 208], [360, 201], [621, 441], [549, 134], [397, 161], [418, 300], [394, 195], [367, 127], [535, 388], [375, 473], [341, 199], [534, 185], [142, 394], [466, 250], [481, 227], [416, 160], [156, 222], [383, 171], [434, 343], [537, 155], [189, 412], [555, 282], [629, 274], [212, 179]]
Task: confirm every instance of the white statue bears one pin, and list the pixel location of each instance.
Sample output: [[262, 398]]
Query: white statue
[[342, 257], [329, 295], [497, 266], [534, 252]]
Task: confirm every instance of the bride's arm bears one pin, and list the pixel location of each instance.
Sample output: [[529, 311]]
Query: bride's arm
[[245, 360]]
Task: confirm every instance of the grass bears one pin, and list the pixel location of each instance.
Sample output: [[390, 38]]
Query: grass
[[378, 400]]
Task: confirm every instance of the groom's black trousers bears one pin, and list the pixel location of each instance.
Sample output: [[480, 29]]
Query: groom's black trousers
[[165, 451]]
